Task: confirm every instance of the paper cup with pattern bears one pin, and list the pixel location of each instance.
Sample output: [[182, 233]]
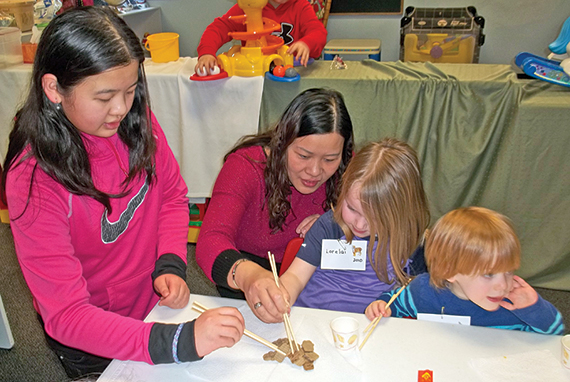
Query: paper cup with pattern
[[566, 351], [345, 332]]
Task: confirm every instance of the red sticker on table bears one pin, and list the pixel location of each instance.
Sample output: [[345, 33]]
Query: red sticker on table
[[425, 376]]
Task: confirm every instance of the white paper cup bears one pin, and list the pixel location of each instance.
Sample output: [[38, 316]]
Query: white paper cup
[[566, 350], [345, 332]]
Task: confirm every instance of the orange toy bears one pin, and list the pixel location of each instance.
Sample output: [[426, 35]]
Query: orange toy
[[260, 49]]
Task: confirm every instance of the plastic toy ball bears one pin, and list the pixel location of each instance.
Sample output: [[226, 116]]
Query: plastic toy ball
[[202, 72], [215, 70], [279, 71], [290, 72]]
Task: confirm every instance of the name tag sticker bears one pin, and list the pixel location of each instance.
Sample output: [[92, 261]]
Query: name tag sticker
[[445, 318], [338, 254]]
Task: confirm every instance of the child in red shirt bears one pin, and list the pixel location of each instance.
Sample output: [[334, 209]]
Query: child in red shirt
[[301, 30]]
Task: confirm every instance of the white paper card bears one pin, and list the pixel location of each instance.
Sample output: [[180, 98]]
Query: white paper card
[[6, 339], [339, 254], [445, 318]]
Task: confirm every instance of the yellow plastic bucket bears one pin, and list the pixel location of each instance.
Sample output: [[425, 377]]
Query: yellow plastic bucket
[[163, 47]]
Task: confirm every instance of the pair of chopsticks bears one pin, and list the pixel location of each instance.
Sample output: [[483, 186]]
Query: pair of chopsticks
[[288, 328], [201, 309], [372, 325]]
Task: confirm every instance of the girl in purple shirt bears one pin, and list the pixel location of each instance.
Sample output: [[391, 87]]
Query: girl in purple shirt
[[382, 201]]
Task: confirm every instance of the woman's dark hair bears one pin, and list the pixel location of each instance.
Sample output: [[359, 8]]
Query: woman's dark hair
[[314, 111], [77, 44]]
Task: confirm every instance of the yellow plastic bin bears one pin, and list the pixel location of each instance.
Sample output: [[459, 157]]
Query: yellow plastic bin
[[22, 10], [194, 231], [163, 47]]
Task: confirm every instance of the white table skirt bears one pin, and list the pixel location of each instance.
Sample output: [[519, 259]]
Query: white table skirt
[[201, 120], [396, 351]]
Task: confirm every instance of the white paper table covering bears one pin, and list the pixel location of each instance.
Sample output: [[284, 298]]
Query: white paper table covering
[[539, 365], [395, 351]]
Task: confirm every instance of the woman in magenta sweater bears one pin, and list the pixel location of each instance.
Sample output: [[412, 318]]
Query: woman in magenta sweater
[[272, 188]]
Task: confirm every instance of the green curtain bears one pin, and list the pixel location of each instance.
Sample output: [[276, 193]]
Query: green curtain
[[483, 136]]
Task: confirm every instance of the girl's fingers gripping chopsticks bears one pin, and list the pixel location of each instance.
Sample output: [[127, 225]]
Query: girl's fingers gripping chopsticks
[[201, 309]]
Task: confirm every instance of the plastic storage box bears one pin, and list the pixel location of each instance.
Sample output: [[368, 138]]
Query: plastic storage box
[[441, 35], [10, 46], [22, 10]]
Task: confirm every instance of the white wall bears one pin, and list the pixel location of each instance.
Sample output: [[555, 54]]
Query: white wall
[[511, 26]]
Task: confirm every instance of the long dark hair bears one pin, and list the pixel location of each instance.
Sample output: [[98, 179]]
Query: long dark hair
[[314, 111], [79, 43]]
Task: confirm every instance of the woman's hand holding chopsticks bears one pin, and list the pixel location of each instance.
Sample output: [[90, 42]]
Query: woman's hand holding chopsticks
[[217, 328], [266, 300]]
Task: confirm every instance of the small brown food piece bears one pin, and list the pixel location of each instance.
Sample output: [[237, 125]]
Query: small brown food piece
[[311, 356], [279, 357], [285, 348], [269, 356], [305, 357], [308, 346], [280, 342], [298, 358], [308, 366]]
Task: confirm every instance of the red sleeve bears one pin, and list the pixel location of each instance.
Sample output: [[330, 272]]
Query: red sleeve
[[235, 190], [312, 30], [216, 34]]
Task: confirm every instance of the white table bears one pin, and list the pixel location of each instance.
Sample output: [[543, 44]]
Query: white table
[[201, 120], [396, 351]]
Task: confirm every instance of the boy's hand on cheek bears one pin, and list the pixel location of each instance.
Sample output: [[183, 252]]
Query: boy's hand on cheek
[[522, 295]]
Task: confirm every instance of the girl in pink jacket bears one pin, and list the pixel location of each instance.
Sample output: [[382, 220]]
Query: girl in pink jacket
[[97, 206]]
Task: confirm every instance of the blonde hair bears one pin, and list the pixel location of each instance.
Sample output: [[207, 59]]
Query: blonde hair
[[393, 202], [471, 241]]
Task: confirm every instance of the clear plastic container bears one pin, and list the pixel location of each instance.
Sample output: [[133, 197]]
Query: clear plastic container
[[22, 10], [10, 47]]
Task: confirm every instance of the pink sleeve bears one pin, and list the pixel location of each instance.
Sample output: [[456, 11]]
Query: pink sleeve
[[216, 34], [174, 214], [54, 275], [236, 188]]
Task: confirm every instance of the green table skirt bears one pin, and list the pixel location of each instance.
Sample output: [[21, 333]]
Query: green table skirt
[[483, 136]]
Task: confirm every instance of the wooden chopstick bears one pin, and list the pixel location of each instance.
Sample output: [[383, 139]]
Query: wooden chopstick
[[286, 322], [201, 309], [286, 319], [288, 328], [375, 322]]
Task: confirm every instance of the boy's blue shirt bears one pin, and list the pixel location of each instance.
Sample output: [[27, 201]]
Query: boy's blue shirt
[[422, 297]]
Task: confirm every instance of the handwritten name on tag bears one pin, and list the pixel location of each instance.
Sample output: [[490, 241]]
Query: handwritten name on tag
[[339, 254], [445, 318]]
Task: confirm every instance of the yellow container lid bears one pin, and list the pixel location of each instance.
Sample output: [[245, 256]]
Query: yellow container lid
[[17, 2]]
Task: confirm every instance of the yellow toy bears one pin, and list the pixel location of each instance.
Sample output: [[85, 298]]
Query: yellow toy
[[261, 48], [439, 47]]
